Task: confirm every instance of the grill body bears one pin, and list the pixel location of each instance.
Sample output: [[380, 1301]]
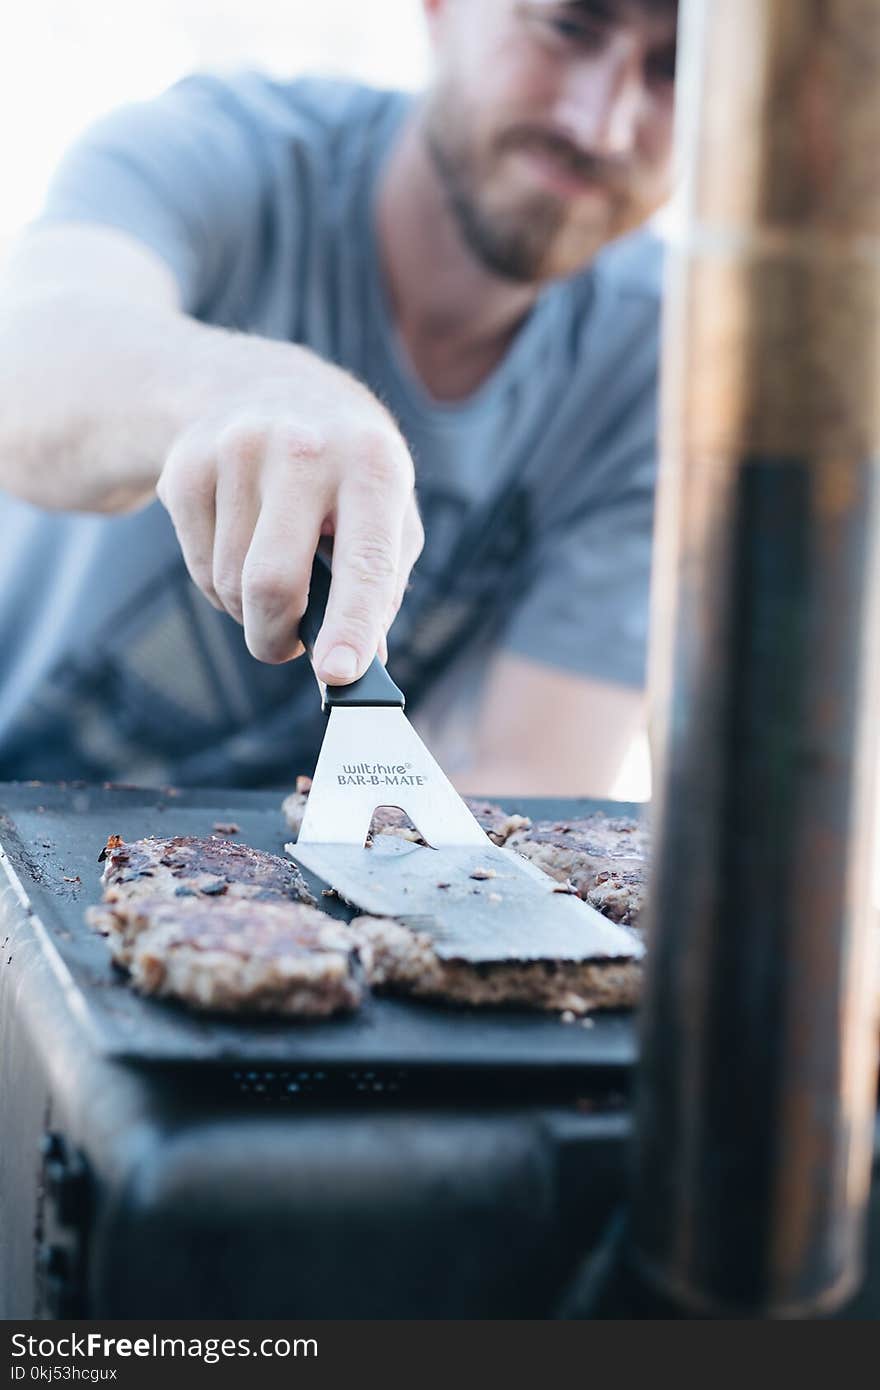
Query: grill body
[[132, 1187]]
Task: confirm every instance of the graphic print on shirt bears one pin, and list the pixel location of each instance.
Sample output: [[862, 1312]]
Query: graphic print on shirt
[[462, 587]]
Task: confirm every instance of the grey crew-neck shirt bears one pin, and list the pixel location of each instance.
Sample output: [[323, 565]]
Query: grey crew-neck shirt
[[536, 491]]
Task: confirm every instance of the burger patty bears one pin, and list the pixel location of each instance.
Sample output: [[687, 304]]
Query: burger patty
[[187, 865], [498, 824], [398, 960], [181, 869], [606, 859], [221, 926], [243, 954]]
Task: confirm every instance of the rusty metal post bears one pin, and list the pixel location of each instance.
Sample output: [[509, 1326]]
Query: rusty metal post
[[758, 1081]]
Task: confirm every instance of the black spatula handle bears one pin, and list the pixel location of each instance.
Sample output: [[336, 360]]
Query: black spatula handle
[[375, 686]]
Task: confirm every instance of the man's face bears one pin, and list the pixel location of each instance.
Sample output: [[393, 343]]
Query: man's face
[[550, 125]]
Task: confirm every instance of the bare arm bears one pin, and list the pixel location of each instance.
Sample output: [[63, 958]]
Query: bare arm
[[95, 369], [543, 732], [110, 395]]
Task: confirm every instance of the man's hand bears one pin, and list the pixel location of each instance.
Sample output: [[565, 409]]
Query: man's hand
[[251, 489], [258, 446]]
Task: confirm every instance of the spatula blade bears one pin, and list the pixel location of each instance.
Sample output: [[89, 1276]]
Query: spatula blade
[[372, 756], [477, 903]]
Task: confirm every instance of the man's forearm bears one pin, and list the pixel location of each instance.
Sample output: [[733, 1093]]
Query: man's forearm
[[94, 390], [543, 731]]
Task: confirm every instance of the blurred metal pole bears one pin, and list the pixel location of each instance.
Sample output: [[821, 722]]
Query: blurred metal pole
[[758, 1080]]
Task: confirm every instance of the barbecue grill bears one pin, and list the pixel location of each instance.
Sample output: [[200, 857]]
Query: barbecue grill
[[410, 1161], [415, 1161]]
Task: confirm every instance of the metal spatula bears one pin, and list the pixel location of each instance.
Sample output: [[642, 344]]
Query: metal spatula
[[478, 901]]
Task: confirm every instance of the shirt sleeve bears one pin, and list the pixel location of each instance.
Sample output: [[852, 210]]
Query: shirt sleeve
[[182, 174], [586, 609]]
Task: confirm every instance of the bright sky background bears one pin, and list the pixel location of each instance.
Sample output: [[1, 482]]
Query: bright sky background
[[64, 62]]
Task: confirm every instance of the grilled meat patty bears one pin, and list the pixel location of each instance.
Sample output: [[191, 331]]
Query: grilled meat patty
[[605, 858], [389, 820], [188, 865], [244, 954], [399, 960], [221, 926], [182, 867]]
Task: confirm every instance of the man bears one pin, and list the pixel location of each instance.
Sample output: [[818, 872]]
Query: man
[[276, 308]]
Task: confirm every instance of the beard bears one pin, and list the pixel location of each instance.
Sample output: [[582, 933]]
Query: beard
[[534, 236], [512, 244]]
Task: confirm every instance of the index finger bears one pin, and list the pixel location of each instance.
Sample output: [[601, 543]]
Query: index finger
[[367, 547]]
